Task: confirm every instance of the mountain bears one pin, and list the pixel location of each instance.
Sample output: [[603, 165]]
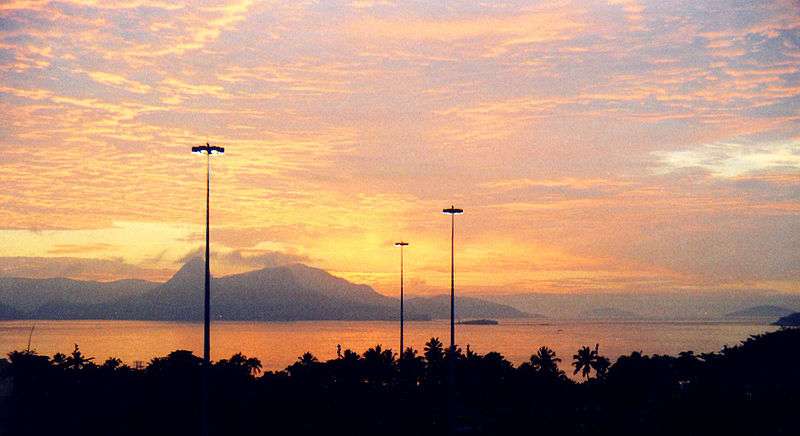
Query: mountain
[[677, 304], [792, 320], [609, 313], [760, 311], [284, 293], [8, 312], [466, 307], [292, 292], [29, 294]]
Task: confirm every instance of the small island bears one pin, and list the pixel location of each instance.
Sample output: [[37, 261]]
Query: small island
[[478, 322]]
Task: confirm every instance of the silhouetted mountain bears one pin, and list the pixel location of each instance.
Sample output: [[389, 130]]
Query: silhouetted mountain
[[652, 305], [792, 320], [466, 307], [760, 311], [291, 292], [8, 312], [27, 295], [177, 298], [609, 313]]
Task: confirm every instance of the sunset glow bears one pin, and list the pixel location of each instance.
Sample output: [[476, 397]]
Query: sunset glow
[[595, 146]]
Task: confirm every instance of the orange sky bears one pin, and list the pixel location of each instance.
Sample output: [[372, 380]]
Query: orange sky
[[595, 146]]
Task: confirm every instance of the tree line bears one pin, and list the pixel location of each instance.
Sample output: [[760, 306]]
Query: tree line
[[752, 388]]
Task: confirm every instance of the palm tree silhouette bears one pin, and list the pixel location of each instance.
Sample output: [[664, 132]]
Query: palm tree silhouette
[[59, 360], [433, 351], [587, 360], [76, 360], [112, 363], [545, 362], [247, 365], [600, 364], [411, 366], [307, 359], [379, 364], [583, 361]]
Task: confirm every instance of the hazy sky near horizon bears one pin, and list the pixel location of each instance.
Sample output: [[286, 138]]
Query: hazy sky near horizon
[[621, 145]]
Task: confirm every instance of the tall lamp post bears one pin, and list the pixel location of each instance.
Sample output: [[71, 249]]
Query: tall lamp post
[[452, 211], [401, 244], [208, 150], [451, 373]]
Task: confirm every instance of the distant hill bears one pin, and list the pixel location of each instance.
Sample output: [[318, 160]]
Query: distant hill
[[8, 312], [792, 320], [284, 293], [27, 295], [667, 305], [466, 307], [609, 313], [760, 311]]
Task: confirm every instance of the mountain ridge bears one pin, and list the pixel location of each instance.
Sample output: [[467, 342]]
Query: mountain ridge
[[281, 293], [651, 305], [765, 311], [27, 294]]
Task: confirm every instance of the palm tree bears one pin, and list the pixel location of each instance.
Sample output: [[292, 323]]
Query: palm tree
[[411, 367], [600, 363], [583, 361], [471, 355], [112, 363], [587, 360], [59, 360], [346, 368], [545, 362], [76, 360], [350, 356], [433, 351], [248, 365], [306, 368], [379, 364], [379, 356], [410, 353], [175, 363], [307, 359]]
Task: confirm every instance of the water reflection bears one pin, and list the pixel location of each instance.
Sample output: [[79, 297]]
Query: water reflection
[[278, 344]]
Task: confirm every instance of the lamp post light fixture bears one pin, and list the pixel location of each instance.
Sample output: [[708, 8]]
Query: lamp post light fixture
[[208, 150], [452, 211], [401, 244]]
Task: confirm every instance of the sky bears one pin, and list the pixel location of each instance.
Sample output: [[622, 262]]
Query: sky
[[616, 146]]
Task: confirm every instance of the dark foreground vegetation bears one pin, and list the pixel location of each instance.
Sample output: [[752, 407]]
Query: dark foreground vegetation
[[753, 388]]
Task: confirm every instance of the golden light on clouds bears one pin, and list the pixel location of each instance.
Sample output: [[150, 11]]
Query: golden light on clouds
[[620, 145]]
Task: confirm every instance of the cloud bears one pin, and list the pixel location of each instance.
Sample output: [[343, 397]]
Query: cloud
[[566, 182], [77, 268], [580, 128], [634, 12], [228, 261], [735, 159], [62, 249], [491, 35], [119, 81], [261, 259]]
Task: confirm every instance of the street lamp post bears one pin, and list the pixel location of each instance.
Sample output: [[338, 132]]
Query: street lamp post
[[452, 211], [208, 150], [401, 244], [451, 373]]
